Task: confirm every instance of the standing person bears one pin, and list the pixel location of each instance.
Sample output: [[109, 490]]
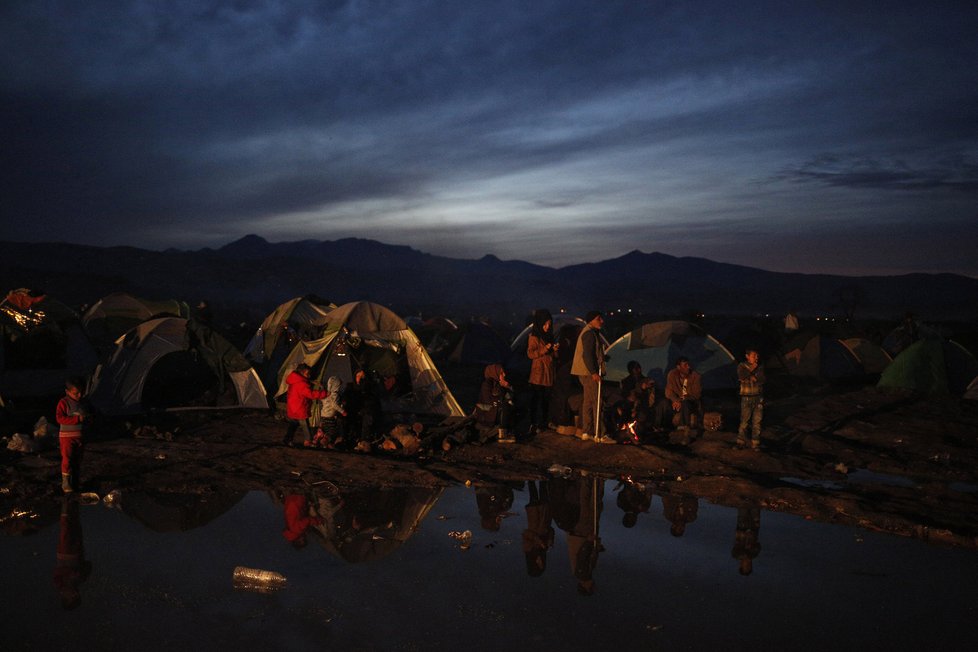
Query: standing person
[[363, 410], [495, 406], [331, 410], [750, 373], [684, 388], [298, 402], [72, 414], [541, 350], [588, 366]]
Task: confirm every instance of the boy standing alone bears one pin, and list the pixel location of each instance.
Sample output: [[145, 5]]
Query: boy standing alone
[[71, 414], [750, 373]]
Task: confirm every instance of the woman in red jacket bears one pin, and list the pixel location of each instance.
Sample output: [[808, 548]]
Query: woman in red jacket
[[298, 400]]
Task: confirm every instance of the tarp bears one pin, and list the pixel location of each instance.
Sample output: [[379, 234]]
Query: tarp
[[931, 366], [657, 346], [364, 335], [185, 364], [301, 318]]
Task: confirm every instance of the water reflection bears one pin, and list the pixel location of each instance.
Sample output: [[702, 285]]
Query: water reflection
[[539, 549]]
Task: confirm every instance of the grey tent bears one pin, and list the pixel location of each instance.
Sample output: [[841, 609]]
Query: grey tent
[[301, 318], [172, 363]]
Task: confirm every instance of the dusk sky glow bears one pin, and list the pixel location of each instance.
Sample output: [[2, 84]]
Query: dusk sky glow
[[818, 138]]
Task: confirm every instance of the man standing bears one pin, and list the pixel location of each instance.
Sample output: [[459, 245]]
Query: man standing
[[684, 388], [588, 366], [750, 373]]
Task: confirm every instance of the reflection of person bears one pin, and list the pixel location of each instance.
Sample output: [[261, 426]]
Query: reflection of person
[[495, 405], [493, 502], [577, 504], [679, 511], [298, 518], [684, 388], [541, 350], [750, 373], [538, 537], [72, 568], [588, 366], [746, 545], [72, 414], [633, 499], [298, 403]]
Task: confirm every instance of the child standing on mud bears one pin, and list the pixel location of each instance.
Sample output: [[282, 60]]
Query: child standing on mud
[[298, 402], [331, 409], [72, 413], [750, 373]]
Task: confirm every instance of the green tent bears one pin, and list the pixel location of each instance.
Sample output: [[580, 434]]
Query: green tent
[[931, 366]]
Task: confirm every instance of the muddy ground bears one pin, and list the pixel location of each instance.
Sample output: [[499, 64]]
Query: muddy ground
[[884, 461]]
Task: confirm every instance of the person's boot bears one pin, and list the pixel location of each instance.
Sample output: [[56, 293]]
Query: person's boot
[[67, 484]]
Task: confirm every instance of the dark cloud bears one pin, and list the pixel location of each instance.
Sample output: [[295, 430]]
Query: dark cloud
[[518, 124]]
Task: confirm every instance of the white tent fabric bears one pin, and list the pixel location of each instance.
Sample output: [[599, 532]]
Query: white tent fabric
[[362, 326]]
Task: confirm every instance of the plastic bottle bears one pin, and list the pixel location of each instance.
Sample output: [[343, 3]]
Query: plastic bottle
[[256, 579]]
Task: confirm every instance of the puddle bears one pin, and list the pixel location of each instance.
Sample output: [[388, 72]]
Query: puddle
[[813, 484], [473, 569], [963, 487], [865, 476]]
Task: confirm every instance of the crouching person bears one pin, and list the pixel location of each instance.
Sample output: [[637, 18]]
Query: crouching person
[[495, 407]]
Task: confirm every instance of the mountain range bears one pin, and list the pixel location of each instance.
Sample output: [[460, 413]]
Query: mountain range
[[252, 275]]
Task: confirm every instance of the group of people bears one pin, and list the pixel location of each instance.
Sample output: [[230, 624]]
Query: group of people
[[347, 415], [637, 412]]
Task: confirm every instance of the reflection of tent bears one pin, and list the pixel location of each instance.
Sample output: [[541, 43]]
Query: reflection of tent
[[171, 363], [170, 512], [302, 318], [363, 335], [931, 366], [478, 343], [657, 346], [818, 356], [871, 356], [971, 393], [41, 343], [114, 315], [371, 524]]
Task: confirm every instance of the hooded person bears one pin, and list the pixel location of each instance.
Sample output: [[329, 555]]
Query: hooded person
[[541, 350], [298, 403], [330, 410], [495, 405]]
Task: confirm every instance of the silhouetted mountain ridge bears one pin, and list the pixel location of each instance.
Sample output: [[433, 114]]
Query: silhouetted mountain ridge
[[254, 274]]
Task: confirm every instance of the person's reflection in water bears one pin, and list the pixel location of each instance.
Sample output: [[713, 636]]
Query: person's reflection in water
[[298, 518], [679, 511], [538, 537], [72, 568], [633, 499], [494, 501], [578, 513], [746, 545]]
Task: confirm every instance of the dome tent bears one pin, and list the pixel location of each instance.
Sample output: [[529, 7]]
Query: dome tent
[[931, 366], [301, 318], [364, 335], [115, 314], [657, 346], [172, 363]]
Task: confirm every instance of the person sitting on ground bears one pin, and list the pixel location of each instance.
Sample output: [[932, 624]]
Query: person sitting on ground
[[298, 403], [684, 389], [495, 406], [330, 411]]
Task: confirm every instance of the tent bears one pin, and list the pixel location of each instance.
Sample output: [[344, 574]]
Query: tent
[[817, 356], [301, 318], [172, 363], [871, 356], [566, 328], [971, 393], [477, 343], [114, 315], [368, 525], [657, 346], [906, 334], [364, 335], [42, 342], [931, 366]]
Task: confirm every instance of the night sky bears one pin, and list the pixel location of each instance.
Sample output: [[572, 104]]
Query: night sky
[[838, 138]]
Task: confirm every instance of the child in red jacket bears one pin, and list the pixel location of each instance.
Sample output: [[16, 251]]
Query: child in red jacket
[[298, 402], [72, 413]]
